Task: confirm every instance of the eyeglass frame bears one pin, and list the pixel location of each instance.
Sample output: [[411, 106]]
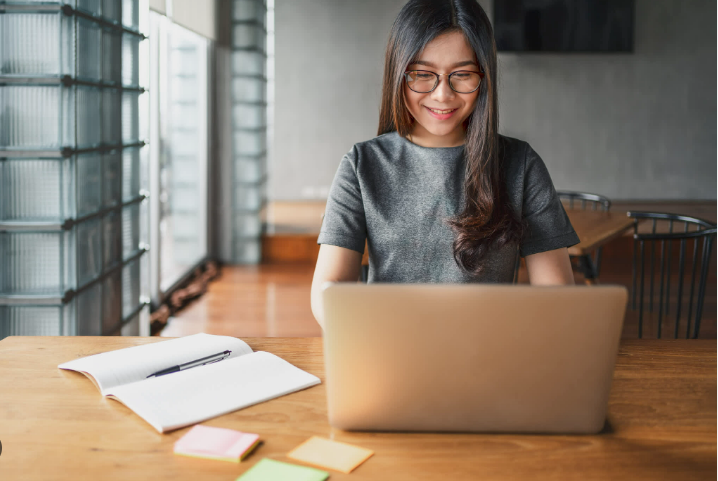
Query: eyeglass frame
[[448, 75]]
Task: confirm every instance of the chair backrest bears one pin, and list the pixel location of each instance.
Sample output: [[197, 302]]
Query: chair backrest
[[584, 200], [517, 266], [691, 236]]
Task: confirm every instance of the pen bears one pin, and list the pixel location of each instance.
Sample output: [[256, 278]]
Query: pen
[[187, 365]]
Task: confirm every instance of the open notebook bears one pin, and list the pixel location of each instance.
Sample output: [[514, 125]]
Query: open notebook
[[187, 397]]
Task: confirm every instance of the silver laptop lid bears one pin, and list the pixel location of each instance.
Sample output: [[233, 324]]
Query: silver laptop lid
[[470, 357]]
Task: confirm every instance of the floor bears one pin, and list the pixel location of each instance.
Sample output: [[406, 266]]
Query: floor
[[269, 300], [273, 300]]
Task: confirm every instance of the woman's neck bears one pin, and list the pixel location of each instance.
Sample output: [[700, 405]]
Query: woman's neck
[[424, 138]]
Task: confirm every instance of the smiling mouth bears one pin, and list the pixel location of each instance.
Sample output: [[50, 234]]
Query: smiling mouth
[[441, 112]]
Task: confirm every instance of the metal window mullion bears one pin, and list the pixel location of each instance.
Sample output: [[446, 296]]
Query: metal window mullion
[[68, 10], [68, 81], [108, 272], [68, 224], [127, 319], [157, 35], [203, 141], [65, 151], [103, 213]]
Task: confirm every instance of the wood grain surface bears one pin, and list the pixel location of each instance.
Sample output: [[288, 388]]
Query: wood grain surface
[[595, 229], [54, 424]]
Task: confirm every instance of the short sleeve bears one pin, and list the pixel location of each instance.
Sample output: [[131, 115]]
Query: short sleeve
[[546, 225], [344, 223]]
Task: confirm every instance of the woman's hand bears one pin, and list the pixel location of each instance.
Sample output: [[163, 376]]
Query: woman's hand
[[550, 268], [335, 264]]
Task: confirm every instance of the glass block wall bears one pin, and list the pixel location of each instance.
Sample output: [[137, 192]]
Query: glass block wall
[[73, 214], [249, 127]]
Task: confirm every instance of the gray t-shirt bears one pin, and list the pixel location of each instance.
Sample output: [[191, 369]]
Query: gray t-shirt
[[396, 195]]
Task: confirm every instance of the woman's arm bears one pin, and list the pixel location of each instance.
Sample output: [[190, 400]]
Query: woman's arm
[[550, 268], [335, 264]]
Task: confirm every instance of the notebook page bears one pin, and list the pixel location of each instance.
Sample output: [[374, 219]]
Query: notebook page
[[123, 366], [188, 397]]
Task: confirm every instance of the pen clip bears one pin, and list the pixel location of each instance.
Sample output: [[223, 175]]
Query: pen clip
[[225, 356]]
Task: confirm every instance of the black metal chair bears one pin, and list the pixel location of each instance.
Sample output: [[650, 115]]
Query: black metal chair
[[702, 233], [364, 275], [586, 201]]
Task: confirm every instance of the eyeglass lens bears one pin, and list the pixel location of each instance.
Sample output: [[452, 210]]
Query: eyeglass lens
[[423, 81]]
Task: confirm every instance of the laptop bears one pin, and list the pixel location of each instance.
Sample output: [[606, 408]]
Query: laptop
[[470, 357]]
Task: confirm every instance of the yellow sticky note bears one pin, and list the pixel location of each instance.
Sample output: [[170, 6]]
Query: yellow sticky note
[[330, 454]]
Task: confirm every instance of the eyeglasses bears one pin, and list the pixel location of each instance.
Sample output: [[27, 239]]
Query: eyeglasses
[[461, 81]]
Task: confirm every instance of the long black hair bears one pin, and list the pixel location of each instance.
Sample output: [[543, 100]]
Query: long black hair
[[487, 219]]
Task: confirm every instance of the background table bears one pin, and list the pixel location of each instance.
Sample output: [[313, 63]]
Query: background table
[[595, 229], [54, 424]]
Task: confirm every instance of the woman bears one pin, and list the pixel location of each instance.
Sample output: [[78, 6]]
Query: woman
[[439, 196]]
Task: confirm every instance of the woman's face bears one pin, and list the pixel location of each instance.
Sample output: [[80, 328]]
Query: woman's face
[[440, 113]]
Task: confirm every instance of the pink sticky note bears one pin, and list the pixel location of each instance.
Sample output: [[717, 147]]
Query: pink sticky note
[[216, 443]]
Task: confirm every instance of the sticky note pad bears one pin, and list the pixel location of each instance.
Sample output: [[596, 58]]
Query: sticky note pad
[[216, 443], [330, 454], [271, 470]]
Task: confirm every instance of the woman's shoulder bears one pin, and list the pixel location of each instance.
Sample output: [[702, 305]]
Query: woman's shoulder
[[518, 159], [381, 147], [517, 155], [512, 149], [388, 141]]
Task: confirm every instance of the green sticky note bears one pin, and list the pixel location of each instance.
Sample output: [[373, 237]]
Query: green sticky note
[[271, 470]]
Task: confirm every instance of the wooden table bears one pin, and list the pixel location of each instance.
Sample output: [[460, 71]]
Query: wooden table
[[594, 229], [54, 424]]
